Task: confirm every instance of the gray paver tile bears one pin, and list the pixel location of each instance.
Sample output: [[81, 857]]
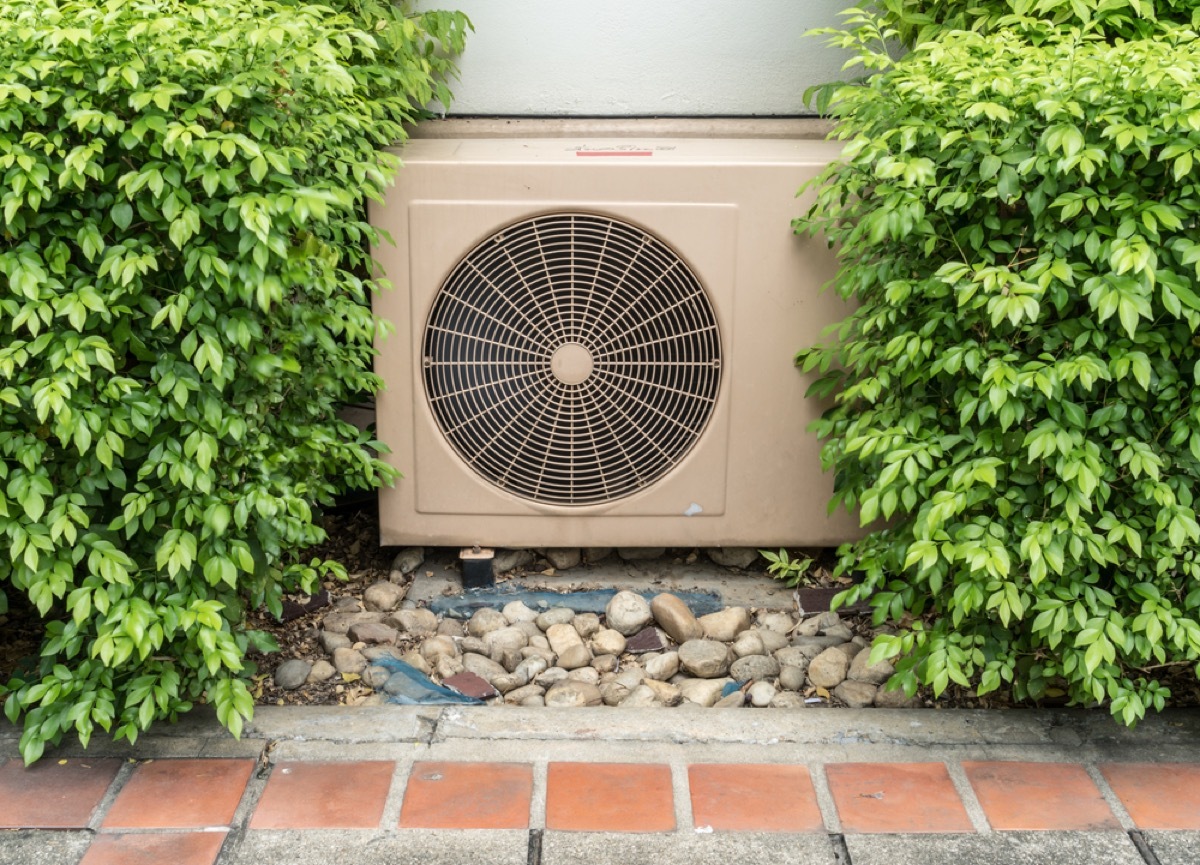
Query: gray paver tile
[[685, 848], [43, 848], [998, 848], [1175, 848], [401, 847]]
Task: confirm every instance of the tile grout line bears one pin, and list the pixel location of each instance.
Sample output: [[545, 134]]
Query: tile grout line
[[389, 820], [110, 795], [825, 802], [1110, 797], [681, 790], [966, 794], [538, 797], [251, 794]]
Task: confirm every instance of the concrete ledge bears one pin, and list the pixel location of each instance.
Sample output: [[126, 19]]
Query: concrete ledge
[[623, 127]]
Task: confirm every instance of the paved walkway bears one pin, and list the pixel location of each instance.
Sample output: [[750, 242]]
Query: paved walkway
[[490, 785]]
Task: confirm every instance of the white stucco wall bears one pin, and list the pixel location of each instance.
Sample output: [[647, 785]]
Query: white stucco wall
[[642, 58]]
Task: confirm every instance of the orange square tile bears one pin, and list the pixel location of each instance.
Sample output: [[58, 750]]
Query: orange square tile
[[324, 796], [609, 797], [180, 794], [896, 797], [1158, 795], [53, 794], [183, 848], [467, 796], [1039, 796], [754, 798]]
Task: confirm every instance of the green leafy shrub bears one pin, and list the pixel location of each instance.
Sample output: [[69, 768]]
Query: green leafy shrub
[[915, 21], [186, 306], [1016, 392]]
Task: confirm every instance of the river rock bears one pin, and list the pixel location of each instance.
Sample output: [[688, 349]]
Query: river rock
[[731, 701], [754, 668], [555, 616], [322, 671], [704, 692], [571, 694], [780, 623], [508, 560], [856, 695], [517, 611], [627, 613], [485, 620], [340, 622], [502, 639], [473, 644], [842, 632], [608, 641], [787, 700], [438, 647], [605, 663], [584, 674], [408, 560], [748, 643], [330, 641], [418, 622], [376, 677], [793, 678], [384, 596], [516, 695], [347, 660], [290, 675], [828, 669], [666, 693], [705, 659], [587, 624], [725, 625], [733, 557], [673, 616], [563, 558], [761, 694], [663, 667], [897, 699], [550, 676], [772, 641], [641, 697], [417, 661], [373, 633], [482, 666], [862, 670], [591, 555]]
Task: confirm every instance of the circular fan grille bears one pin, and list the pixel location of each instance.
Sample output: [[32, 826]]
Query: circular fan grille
[[572, 359]]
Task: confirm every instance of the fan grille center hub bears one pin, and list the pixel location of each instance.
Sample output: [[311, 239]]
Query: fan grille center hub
[[572, 363]]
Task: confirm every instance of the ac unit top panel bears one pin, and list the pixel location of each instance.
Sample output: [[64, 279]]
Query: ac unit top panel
[[629, 152]]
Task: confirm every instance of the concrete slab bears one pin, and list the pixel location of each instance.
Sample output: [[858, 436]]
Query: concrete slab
[[678, 848], [43, 848], [399, 847], [997, 848], [343, 724], [1175, 848]]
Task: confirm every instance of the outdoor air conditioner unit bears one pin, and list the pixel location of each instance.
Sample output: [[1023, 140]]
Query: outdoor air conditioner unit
[[594, 345]]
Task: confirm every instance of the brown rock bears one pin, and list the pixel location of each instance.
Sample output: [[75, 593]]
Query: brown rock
[[674, 617]]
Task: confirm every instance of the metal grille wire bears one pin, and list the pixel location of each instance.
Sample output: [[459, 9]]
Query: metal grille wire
[[572, 359]]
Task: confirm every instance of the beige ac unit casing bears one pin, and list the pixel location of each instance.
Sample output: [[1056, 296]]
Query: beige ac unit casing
[[752, 476]]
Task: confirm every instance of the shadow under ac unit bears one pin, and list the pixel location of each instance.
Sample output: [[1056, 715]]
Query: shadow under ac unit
[[593, 345]]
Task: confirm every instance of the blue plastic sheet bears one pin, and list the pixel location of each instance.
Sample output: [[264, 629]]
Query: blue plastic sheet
[[464, 605], [408, 686]]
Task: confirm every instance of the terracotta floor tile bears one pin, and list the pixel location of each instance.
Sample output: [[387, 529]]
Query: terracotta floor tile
[[1158, 795], [467, 796], [183, 848], [324, 796], [53, 794], [180, 794], [1039, 796], [896, 797], [754, 798], [609, 797]]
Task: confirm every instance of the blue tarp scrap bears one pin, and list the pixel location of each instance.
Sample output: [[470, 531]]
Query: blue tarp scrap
[[408, 686], [464, 605]]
